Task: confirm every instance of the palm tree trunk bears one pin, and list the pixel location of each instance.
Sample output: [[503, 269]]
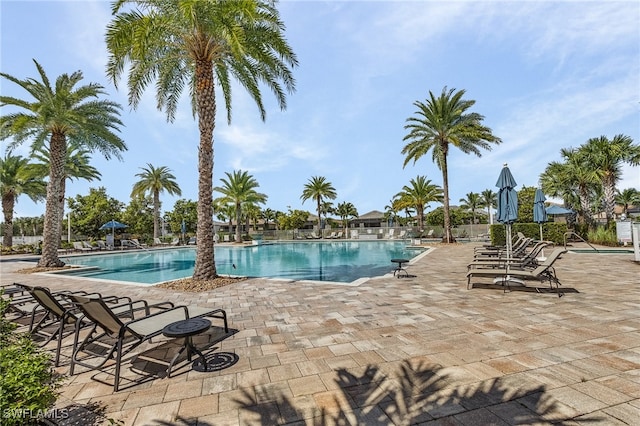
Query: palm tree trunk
[[448, 237], [609, 187], [205, 267], [156, 213], [51, 233], [238, 219], [8, 202], [319, 220]]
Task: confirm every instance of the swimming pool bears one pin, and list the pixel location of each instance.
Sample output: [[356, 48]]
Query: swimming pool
[[339, 261]]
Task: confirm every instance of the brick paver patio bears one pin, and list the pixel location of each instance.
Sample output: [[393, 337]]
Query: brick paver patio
[[419, 350]]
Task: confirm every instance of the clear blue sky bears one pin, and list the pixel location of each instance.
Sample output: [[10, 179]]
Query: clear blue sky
[[546, 76]]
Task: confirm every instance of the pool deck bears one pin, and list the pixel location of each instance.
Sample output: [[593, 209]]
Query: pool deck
[[418, 350]]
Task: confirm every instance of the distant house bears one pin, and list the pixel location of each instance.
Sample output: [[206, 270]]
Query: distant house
[[372, 219]]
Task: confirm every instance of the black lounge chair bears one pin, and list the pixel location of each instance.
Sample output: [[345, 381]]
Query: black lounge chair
[[544, 271], [116, 337]]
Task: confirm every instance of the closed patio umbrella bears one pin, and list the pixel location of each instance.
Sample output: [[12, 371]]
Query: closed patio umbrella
[[539, 212], [507, 206]]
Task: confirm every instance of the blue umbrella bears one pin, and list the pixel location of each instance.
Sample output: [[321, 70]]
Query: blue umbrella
[[507, 205], [539, 212], [113, 224], [558, 210]]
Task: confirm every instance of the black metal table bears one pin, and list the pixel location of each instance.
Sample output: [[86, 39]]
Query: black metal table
[[187, 329], [399, 269]]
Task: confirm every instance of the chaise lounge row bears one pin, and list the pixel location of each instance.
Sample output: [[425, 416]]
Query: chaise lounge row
[[103, 328]]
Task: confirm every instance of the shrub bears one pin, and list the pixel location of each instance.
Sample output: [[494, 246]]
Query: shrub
[[603, 236], [27, 381]]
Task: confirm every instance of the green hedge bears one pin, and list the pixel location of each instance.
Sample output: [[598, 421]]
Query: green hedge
[[550, 232]]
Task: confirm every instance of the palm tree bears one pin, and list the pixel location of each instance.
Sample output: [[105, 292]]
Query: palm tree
[[155, 180], [489, 199], [61, 114], [472, 202], [440, 123], [572, 180], [318, 189], [240, 188], [418, 195], [345, 211], [268, 215], [17, 177], [628, 197], [201, 44], [76, 166], [607, 157]]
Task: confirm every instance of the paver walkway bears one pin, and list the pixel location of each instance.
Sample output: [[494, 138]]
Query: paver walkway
[[420, 350]]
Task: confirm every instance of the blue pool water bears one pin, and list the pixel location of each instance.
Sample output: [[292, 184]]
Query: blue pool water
[[341, 261]]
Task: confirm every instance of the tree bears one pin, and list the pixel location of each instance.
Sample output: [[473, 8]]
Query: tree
[[628, 197], [200, 44], [268, 215], [76, 166], [526, 195], [345, 211], [472, 202], [318, 189], [606, 157], [93, 210], [295, 219], [183, 211], [61, 114], [17, 177], [440, 123], [239, 188], [489, 199], [139, 216], [573, 180], [418, 195], [155, 181]]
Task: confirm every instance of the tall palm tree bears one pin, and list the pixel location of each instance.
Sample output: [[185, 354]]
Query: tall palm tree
[[418, 194], [573, 180], [345, 211], [318, 189], [472, 202], [17, 177], [268, 215], [155, 181], [200, 44], [240, 188], [76, 166], [59, 114], [489, 199], [440, 123], [606, 157], [628, 197]]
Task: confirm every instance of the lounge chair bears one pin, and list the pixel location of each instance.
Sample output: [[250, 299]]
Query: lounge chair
[[390, 234], [544, 271], [102, 245], [88, 245], [333, 236], [158, 242], [175, 241], [526, 259], [79, 246], [516, 250], [138, 243], [117, 338], [58, 312]]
